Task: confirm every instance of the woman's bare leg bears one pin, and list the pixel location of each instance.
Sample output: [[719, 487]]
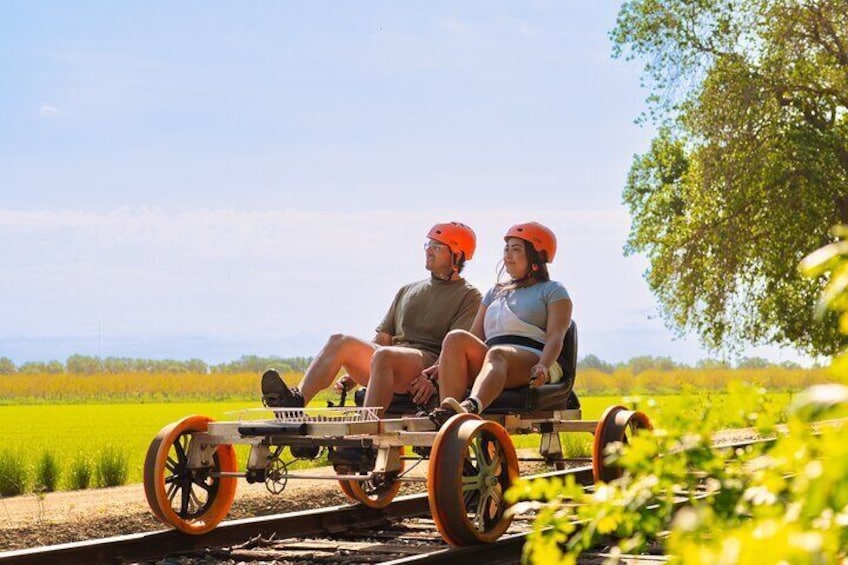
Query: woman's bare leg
[[461, 359], [503, 367]]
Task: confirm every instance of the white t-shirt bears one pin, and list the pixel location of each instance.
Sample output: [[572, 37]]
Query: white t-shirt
[[530, 303]]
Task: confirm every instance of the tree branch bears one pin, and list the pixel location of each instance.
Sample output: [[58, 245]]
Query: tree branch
[[838, 49]]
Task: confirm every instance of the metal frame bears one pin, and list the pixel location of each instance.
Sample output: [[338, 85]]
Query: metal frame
[[337, 427]]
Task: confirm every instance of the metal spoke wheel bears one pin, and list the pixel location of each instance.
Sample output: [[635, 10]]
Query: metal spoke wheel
[[192, 500], [276, 476], [378, 491], [618, 424], [472, 464]]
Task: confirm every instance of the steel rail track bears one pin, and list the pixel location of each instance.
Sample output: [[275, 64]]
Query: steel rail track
[[338, 520], [323, 521], [146, 546]]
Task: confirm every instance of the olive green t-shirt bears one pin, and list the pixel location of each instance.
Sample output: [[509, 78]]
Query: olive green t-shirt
[[424, 311]]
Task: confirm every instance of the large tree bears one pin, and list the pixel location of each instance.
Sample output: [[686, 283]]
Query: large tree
[[749, 169]]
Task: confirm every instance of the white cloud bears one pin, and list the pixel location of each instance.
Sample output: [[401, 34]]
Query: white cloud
[[521, 26], [312, 264], [453, 26], [280, 275], [49, 111], [292, 233]]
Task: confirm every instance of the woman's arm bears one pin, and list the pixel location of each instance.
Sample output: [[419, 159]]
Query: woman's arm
[[559, 318]]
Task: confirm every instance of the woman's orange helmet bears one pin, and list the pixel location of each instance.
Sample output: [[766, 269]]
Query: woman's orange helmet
[[540, 237], [459, 237]]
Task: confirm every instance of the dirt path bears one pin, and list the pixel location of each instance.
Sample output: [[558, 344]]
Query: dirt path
[[60, 517]]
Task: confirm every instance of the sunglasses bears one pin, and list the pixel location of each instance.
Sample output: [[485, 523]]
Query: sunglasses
[[435, 246]]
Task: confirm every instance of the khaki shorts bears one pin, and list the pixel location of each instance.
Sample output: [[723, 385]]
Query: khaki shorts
[[428, 358], [555, 373]]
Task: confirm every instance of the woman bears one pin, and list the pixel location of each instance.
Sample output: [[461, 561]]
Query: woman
[[517, 334]]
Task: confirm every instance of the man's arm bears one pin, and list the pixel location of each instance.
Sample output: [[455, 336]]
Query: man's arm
[[382, 338], [477, 324]]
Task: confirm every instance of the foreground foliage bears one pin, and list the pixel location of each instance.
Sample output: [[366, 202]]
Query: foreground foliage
[[763, 504], [832, 260], [793, 502]]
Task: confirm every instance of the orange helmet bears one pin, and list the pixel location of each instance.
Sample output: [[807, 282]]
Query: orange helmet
[[459, 237], [540, 237]]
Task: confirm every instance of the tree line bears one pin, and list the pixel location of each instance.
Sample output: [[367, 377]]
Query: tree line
[[91, 365], [643, 363]]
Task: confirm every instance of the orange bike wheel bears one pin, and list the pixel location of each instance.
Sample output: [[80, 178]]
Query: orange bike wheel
[[377, 492], [472, 464], [345, 485], [617, 424], [193, 501]]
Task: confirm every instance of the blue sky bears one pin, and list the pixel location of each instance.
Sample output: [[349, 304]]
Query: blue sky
[[209, 179]]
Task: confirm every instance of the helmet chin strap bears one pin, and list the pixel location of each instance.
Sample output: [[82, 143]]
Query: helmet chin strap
[[531, 272], [450, 273]]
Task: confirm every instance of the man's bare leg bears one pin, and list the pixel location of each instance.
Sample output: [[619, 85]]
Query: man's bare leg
[[392, 369], [350, 352]]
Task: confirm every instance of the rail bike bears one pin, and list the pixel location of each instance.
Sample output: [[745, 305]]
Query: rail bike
[[191, 471]]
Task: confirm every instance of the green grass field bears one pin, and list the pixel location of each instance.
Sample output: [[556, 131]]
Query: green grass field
[[71, 430]]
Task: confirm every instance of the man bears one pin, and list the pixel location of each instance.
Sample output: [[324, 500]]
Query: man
[[403, 355]]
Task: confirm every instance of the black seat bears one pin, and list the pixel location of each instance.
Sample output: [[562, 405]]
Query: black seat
[[556, 396]]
